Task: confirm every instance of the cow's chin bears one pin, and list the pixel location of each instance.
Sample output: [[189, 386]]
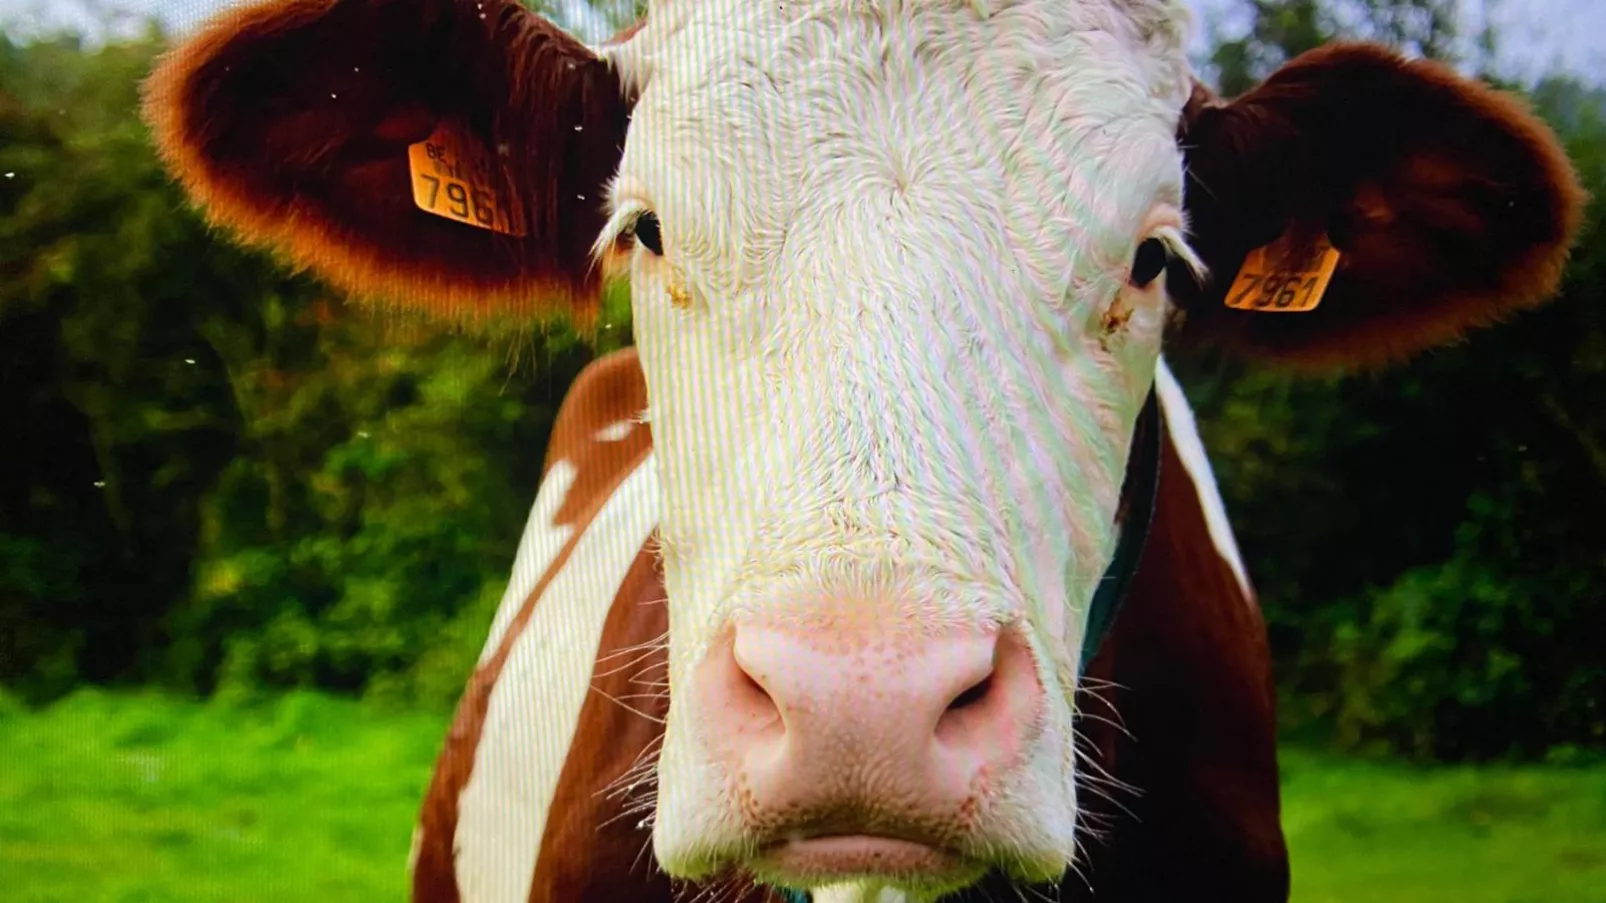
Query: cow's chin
[[858, 868], [865, 863], [1023, 832], [862, 868]]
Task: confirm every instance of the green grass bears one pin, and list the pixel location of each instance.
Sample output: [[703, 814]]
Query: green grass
[[135, 799], [1362, 831], [141, 798]]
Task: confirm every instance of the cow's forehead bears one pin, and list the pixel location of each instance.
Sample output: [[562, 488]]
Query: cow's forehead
[[1147, 38], [1056, 115]]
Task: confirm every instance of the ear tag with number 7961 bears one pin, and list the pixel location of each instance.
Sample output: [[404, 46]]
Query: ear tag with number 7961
[[452, 178], [1278, 278]]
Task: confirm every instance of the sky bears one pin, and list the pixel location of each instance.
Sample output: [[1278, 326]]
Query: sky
[[1538, 36]]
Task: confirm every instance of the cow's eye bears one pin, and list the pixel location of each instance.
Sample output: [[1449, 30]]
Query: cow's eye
[[1149, 262], [644, 229]]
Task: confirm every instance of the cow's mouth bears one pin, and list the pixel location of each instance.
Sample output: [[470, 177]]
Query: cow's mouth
[[833, 859]]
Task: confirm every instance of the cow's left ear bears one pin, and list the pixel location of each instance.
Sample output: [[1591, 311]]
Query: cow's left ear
[[1448, 202]]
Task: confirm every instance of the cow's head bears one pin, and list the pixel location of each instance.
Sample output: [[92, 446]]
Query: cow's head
[[900, 271]]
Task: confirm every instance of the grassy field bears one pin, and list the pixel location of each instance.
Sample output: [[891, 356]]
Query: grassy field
[[1392, 834], [116, 798], [149, 800]]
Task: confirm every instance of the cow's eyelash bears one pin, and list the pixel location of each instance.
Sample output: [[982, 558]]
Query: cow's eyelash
[[1176, 246], [620, 225]]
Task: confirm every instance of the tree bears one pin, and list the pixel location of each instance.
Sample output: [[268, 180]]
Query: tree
[[1279, 30], [219, 470]]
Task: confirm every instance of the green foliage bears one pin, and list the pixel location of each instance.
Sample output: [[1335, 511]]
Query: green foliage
[[1280, 30], [376, 502], [215, 474], [110, 435]]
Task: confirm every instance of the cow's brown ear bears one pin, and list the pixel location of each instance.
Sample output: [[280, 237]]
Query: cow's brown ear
[[1450, 205], [290, 122]]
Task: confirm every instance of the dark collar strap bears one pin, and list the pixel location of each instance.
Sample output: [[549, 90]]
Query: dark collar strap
[[1138, 496]]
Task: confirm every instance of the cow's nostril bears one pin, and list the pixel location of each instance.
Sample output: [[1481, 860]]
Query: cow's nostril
[[1002, 702], [751, 692], [744, 686], [964, 723], [974, 695]]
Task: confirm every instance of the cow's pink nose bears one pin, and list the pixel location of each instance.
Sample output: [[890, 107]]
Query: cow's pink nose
[[866, 732]]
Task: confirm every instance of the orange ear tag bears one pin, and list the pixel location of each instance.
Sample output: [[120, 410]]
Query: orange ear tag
[[452, 178], [1278, 278]]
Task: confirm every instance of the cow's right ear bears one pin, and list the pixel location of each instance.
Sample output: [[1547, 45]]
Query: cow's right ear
[[292, 123]]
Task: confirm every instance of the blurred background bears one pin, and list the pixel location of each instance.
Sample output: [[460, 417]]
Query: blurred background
[[251, 537]]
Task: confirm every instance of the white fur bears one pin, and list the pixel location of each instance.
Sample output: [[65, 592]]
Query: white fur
[[900, 226], [542, 541], [1185, 433], [614, 432], [535, 705]]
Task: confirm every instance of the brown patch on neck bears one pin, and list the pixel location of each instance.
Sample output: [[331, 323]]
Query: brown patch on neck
[[601, 394], [610, 391], [435, 875], [1185, 671], [591, 849], [1192, 684]]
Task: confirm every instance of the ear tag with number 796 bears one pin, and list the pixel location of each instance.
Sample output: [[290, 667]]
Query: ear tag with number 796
[[452, 178], [1278, 278]]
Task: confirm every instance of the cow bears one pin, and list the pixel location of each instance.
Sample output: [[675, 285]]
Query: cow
[[887, 565]]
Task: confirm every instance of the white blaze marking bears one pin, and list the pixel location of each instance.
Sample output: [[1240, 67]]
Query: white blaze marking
[[1185, 433], [535, 706], [541, 543], [613, 432]]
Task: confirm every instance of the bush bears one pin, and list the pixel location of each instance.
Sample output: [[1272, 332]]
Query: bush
[[216, 474]]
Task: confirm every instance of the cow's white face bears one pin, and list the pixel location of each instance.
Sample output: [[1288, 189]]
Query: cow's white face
[[895, 359]]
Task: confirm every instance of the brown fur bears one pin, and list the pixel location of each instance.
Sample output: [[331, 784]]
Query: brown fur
[[613, 393], [1452, 204], [593, 846], [607, 391], [288, 122]]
